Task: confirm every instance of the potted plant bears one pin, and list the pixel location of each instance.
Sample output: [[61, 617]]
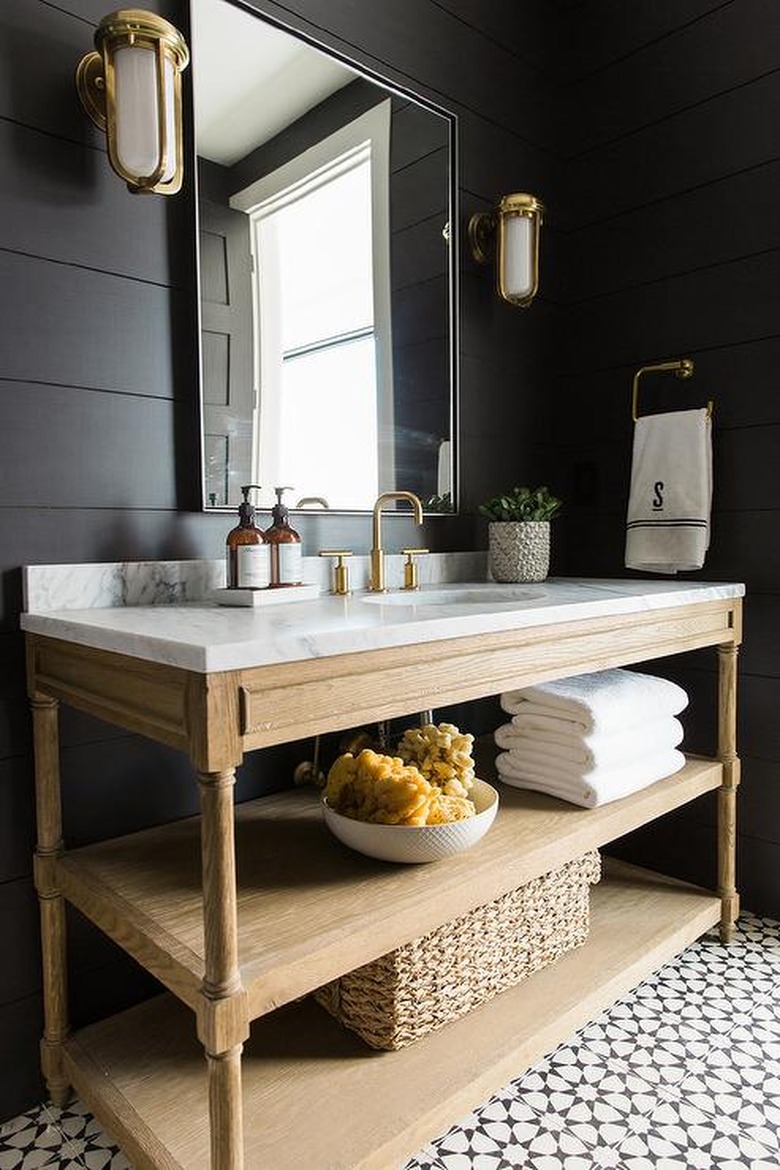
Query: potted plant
[[519, 533]]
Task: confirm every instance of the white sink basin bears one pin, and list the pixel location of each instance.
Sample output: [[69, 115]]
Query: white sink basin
[[477, 595]]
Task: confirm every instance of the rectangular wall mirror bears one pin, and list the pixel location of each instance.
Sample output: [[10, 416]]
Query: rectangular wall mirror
[[327, 245]]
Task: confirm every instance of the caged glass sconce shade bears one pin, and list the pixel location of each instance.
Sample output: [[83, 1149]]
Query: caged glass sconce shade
[[131, 88], [513, 231]]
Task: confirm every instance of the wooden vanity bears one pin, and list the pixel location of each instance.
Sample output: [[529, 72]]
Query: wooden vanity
[[242, 911]]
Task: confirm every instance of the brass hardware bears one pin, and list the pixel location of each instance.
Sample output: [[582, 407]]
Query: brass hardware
[[680, 367], [410, 567], [377, 582], [309, 771], [304, 500], [96, 86], [489, 231], [340, 570]]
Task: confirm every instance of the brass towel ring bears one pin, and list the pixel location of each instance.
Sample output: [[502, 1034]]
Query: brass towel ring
[[681, 367]]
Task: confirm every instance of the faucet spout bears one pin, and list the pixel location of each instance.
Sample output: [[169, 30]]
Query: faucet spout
[[377, 582]]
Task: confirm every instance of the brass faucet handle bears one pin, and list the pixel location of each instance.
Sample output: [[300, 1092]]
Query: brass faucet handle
[[340, 570], [410, 566]]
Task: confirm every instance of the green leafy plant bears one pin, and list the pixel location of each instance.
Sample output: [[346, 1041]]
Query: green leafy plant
[[522, 503]]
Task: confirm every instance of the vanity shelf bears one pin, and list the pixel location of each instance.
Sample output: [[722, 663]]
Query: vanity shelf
[[144, 1068], [241, 911], [309, 908]]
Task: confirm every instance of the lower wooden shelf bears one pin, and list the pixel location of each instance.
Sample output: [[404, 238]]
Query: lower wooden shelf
[[308, 907], [316, 1097]]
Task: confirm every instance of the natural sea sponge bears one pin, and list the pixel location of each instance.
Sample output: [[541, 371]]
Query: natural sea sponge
[[385, 790]]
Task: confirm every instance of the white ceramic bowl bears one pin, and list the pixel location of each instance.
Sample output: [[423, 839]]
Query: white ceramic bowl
[[411, 843]]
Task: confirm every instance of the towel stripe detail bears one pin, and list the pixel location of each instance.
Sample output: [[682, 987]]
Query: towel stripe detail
[[667, 524]]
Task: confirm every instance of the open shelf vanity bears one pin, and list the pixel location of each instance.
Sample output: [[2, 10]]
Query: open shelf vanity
[[242, 911]]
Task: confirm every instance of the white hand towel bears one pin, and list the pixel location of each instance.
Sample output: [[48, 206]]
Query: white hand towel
[[576, 753], [600, 786], [668, 522], [607, 700]]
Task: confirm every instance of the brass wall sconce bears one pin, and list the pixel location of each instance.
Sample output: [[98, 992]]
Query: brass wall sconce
[[512, 230], [131, 87]]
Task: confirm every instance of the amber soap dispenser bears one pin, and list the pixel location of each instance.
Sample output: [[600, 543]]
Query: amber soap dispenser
[[246, 552], [285, 546]]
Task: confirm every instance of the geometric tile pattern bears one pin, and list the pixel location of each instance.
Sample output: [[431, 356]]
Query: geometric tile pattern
[[66, 1139], [682, 1074]]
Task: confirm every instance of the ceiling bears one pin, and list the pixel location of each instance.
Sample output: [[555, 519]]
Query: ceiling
[[251, 80]]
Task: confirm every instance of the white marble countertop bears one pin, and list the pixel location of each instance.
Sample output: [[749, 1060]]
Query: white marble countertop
[[204, 637]]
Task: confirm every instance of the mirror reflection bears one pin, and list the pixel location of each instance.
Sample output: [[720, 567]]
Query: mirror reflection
[[326, 308]]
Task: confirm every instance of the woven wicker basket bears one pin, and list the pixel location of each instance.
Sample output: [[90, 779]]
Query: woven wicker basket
[[442, 975]]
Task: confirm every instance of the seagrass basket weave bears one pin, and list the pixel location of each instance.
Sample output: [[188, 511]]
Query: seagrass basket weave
[[442, 975]]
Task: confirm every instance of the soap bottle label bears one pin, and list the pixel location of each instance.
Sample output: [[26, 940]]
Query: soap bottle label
[[290, 563], [253, 566]]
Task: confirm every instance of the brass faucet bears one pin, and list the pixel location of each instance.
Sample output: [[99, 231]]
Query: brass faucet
[[377, 582]]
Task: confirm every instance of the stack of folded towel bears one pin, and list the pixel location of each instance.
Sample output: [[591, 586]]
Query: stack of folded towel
[[592, 738]]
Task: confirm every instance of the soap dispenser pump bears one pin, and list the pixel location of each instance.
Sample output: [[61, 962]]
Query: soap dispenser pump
[[285, 546], [246, 551]]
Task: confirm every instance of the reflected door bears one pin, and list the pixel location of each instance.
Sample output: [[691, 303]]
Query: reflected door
[[226, 352]]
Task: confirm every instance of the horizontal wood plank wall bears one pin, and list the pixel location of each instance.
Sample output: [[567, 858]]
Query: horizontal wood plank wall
[[97, 382], [670, 246]]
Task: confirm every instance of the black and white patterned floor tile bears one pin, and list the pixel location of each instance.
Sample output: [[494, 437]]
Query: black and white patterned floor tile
[[58, 1139], [682, 1074]]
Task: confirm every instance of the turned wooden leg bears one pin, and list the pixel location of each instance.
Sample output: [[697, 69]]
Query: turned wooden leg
[[727, 795], [225, 1116], [45, 713], [222, 1020]]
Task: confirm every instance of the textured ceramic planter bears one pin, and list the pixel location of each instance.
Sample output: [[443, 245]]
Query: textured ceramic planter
[[519, 550]]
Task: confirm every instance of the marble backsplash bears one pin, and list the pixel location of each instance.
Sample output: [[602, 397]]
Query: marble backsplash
[[129, 583]]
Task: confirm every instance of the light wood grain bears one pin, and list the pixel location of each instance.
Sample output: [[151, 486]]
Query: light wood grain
[[226, 1115], [217, 717], [51, 902], [218, 859], [316, 1098], [727, 796], [301, 909], [298, 699], [310, 909], [221, 978], [213, 721], [145, 697]]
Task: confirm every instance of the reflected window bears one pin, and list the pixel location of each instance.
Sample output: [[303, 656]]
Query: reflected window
[[320, 291]]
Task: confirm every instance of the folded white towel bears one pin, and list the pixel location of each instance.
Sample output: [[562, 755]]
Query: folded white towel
[[668, 522], [601, 787], [577, 753], [607, 700]]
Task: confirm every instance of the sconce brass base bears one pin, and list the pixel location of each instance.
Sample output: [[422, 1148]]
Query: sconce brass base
[[90, 85], [482, 226]]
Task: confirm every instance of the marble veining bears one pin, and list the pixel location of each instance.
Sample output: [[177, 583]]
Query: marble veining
[[57, 587], [203, 637], [100, 586]]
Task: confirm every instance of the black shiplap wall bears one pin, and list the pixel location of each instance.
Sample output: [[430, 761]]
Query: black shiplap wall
[[671, 246], [97, 378]]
